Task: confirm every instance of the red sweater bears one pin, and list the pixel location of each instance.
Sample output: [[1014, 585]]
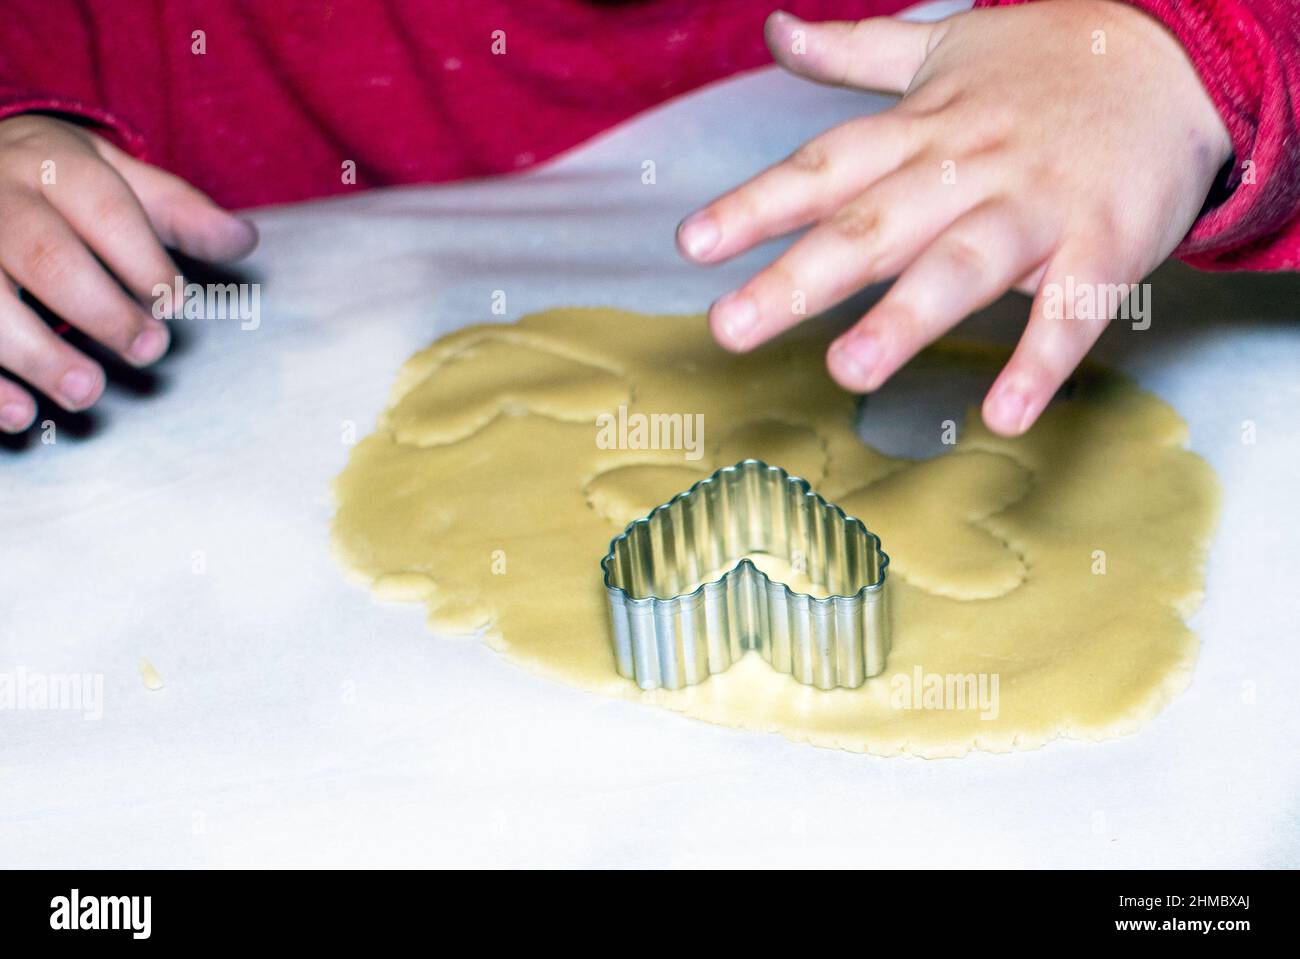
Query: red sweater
[[266, 102]]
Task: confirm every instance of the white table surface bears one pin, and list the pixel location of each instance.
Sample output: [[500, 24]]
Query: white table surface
[[301, 723]]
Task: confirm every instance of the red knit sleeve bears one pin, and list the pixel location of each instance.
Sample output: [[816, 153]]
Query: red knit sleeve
[[47, 64], [1247, 53]]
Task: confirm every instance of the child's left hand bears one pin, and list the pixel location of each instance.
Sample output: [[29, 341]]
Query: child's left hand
[[1018, 156]]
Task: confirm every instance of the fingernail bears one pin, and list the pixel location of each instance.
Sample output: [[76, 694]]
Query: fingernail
[[1009, 410], [149, 344], [737, 315], [853, 358], [15, 417], [77, 388], [1031, 413], [699, 235], [239, 237], [243, 230]]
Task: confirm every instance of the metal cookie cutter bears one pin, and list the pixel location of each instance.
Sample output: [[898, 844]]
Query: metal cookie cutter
[[666, 637]]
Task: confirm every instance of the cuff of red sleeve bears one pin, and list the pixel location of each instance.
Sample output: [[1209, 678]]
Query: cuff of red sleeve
[[108, 125]]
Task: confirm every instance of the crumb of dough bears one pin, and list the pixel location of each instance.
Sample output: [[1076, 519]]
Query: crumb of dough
[[151, 677]]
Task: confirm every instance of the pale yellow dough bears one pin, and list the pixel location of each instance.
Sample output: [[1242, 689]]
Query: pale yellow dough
[[484, 493]]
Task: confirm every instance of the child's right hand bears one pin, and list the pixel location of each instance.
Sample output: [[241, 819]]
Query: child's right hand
[[1079, 164], [73, 210]]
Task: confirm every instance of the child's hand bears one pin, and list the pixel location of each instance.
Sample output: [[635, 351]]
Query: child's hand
[[1018, 156], [73, 208]]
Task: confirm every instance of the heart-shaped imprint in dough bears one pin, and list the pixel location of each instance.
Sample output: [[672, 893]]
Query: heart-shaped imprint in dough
[[462, 390], [958, 491]]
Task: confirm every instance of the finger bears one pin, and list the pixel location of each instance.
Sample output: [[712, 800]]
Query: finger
[[871, 239], [970, 265], [1028, 283], [17, 408], [1071, 309], [31, 351], [98, 204], [41, 252], [880, 53], [183, 218], [814, 181]]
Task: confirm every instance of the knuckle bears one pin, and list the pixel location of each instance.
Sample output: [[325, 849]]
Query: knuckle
[[809, 158], [930, 96], [27, 134], [966, 259], [778, 283], [989, 144], [44, 261], [24, 156], [118, 326], [861, 224], [1040, 179], [34, 358], [1105, 219], [738, 207], [113, 212], [897, 320], [84, 171], [22, 161], [874, 131]]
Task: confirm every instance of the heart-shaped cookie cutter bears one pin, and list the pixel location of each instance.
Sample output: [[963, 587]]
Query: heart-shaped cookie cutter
[[667, 637]]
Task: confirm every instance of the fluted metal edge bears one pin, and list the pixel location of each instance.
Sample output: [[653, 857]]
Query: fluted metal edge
[[839, 640]]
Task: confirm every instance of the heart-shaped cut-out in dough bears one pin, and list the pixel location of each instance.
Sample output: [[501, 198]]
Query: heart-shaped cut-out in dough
[[461, 392], [668, 634], [625, 492], [797, 448], [629, 490], [974, 563]]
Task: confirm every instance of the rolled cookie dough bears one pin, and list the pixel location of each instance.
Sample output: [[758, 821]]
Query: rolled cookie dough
[[1039, 584]]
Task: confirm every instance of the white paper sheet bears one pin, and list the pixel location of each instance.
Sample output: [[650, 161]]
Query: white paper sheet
[[303, 724]]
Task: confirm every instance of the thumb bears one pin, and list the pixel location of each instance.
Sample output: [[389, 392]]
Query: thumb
[[183, 217], [881, 53]]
